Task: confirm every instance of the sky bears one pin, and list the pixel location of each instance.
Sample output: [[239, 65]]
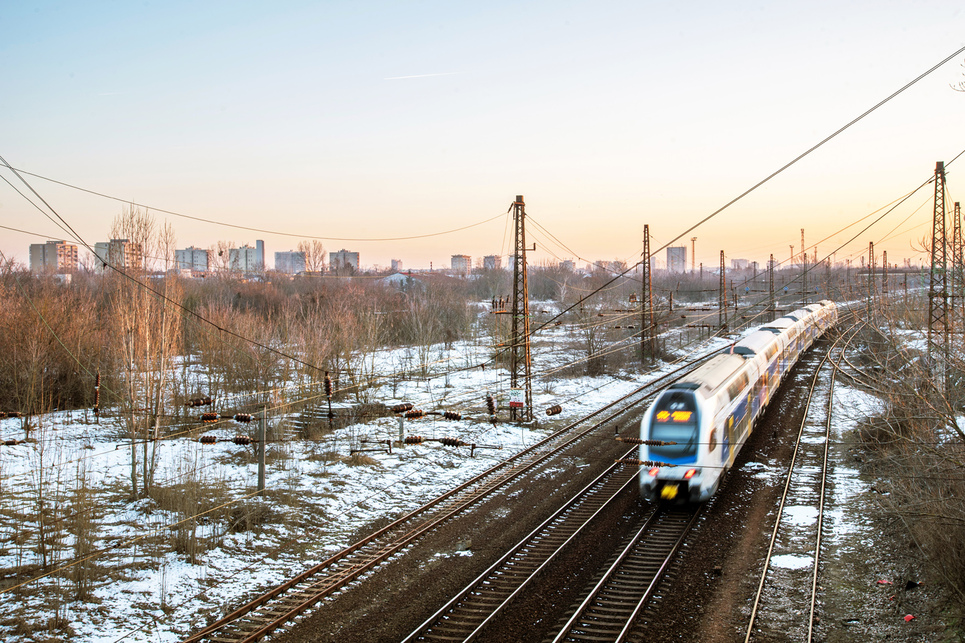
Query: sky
[[379, 126]]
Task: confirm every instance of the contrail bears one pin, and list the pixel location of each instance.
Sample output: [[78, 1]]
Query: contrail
[[447, 73]]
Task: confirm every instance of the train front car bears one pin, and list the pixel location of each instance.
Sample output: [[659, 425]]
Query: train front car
[[694, 428]]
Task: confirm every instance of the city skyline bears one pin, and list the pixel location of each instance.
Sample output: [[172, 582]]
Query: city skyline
[[378, 127]]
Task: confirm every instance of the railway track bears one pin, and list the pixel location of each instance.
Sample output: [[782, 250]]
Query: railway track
[[795, 545], [610, 609], [466, 615], [283, 606]]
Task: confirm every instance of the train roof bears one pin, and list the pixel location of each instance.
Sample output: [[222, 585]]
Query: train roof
[[753, 343], [780, 324], [709, 377]]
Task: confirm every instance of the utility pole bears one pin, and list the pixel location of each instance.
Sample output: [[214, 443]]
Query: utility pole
[[648, 336], [884, 272], [770, 286], [938, 284], [693, 253], [722, 296], [958, 276], [871, 278], [260, 449], [520, 360]]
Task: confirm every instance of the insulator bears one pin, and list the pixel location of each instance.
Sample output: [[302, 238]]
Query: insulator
[[205, 400], [452, 442], [414, 439], [241, 439], [632, 440], [328, 385], [209, 417], [556, 409], [11, 443], [452, 415], [2, 415], [245, 418], [208, 439], [653, 463], [401, 408], [414, 414], [97, 381], [491, 404]]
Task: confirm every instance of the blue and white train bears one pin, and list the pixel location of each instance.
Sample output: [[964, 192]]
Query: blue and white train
[[710, 413]]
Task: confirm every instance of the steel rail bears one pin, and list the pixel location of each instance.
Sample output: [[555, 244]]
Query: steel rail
[[787, 485], [612, 606], [397, 535], [470, 610]]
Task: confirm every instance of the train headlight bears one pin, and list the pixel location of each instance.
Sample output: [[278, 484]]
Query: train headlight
[[691, 473], [654, 472]]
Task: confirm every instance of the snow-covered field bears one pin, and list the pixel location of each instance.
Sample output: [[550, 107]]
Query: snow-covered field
[[155, 569]]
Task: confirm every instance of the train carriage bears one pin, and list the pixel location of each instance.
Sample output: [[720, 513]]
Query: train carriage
[[701, 422]]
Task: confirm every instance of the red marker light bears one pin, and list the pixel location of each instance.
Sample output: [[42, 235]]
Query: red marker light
[[654, 472], [690, 474]]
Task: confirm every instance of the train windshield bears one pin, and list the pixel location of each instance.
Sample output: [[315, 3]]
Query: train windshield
[[675, 420]]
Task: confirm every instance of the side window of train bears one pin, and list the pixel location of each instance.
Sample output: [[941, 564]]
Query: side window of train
[[712, 444]]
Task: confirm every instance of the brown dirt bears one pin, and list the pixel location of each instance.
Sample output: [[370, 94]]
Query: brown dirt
[[714, 582]]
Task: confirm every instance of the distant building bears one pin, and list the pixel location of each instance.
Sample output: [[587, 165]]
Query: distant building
[[739, 264], [343, 261], [53, 256], [246, 258], [677, 259], [568, 265], [396, 265], [291, 262], [193, 259], [461, 264], [492, 262], [120, 253], [617, 267]]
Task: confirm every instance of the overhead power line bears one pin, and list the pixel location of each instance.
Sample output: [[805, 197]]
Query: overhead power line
[[249, 228]]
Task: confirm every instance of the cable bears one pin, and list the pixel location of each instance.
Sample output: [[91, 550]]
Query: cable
[[247, 228]]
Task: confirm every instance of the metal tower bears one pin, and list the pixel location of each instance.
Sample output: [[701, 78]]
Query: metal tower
[[884, 272], [957, 323], [871, 278], [722, 296], [520, 364], [938, 284], [648, 334], [770, 286]]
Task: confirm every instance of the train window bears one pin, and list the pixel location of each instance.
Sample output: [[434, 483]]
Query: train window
[[738, 385], [712, 442], [675, 420]]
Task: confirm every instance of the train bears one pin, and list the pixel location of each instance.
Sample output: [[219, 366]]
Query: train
[[699, 423]]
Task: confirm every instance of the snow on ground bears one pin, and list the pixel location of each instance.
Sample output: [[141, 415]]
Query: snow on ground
[[143, 582]]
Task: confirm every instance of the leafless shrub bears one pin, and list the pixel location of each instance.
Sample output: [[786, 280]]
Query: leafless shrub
[[918, 447]]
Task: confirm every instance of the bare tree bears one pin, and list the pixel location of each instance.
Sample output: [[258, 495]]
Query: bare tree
[[148, 337], [314, 255]]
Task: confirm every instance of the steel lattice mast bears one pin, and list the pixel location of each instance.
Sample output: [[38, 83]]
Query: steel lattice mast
[[958, 274], [770, 286], [648, 334], [520, 362], [938, 283], [722, 296]]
